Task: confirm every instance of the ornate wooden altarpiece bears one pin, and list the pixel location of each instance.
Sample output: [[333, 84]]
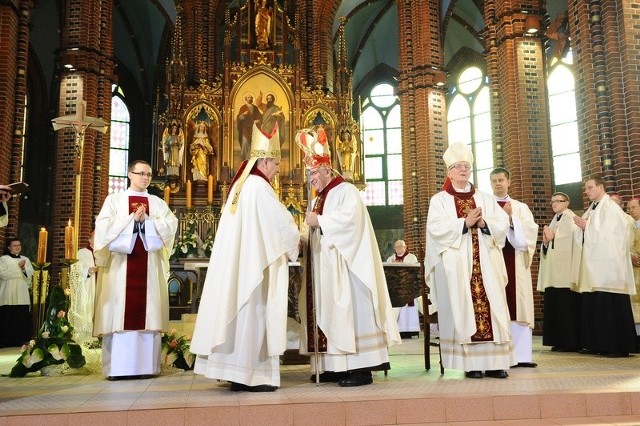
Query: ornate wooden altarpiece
[[203, 129]]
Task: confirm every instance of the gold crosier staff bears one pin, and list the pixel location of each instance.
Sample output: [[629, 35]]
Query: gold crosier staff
[[310, 275]]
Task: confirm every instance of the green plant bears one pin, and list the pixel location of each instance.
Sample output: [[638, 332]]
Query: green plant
[[53, 343]]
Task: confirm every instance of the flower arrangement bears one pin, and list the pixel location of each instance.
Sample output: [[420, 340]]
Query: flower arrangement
[[187, 244], [53, 343], [208, 243], [175, 350]]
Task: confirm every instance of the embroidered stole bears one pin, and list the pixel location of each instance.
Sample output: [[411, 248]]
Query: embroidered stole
[[311, 314], [482, 311], [509, 254], [135, 308]]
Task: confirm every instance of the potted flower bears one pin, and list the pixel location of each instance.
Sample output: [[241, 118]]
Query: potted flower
[[186, 245], [53, 343], [175, 350], [208, 243]]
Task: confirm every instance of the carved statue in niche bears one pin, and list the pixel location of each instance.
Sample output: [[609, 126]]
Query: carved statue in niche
[[201, 149], [263, 23], [347, 150], [173, 147]]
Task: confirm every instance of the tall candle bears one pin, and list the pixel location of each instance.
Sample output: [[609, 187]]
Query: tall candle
[[210, 190], [69, 238], [167, 194], [42, 246], [189, 194]]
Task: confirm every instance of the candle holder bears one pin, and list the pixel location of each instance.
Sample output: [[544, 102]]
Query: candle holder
[[224, 190], [39, 290]]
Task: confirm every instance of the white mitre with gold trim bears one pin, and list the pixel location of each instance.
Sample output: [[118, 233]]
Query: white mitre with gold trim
[[262, 146]]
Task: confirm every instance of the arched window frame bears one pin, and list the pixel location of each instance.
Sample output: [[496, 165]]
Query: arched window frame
[[119, 142], [563, 122], [381, 136], [473, 125]]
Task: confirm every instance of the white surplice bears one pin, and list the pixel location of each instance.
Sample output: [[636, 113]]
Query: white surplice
[[240, 329], [352, 299], [114, 230], [448, 268]]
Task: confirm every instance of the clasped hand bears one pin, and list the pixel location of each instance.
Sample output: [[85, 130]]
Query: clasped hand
[[140, 214], [474, 218]]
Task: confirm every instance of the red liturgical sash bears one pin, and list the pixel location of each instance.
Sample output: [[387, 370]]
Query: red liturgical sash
[[482, 311], [135, 308], [509, 254]]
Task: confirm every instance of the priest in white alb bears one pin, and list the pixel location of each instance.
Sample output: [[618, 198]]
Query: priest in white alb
[[240, 329], [465, 272], [344, 278], [518, 252], [133, 240]]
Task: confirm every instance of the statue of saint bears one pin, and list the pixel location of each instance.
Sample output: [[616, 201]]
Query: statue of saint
[[200, 150], [173, 147], [263, 24], [347, 148]]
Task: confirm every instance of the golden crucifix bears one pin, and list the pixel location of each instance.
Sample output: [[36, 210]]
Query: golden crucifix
[[80, 123]]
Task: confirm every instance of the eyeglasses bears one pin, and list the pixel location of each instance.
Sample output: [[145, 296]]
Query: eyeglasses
[[558, 201], [143, 174], [460, 166]]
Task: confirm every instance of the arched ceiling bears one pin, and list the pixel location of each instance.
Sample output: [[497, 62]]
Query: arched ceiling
[[371, 33]]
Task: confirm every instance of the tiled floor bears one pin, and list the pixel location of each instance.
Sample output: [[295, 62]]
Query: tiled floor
[[565, 389]]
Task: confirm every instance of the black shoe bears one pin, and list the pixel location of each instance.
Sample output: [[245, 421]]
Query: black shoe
[[496, 374], [561, 349], [329, 376], [525, 365], [136, 377], [617, 355], [239, 387], [475, 374], [586, 351], [356, 378]]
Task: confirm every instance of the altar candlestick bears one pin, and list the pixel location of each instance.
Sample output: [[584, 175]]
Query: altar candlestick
[[42, 246], [189, 194], [210, 190], [167, 194], [69, 237]]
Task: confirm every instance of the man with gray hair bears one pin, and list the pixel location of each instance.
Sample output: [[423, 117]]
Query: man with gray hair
[[408, 318], [466, 230]]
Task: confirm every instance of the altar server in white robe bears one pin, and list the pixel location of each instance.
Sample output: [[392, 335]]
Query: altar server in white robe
[[561, 326], [465, 272], [407, 315], [5, 194], [240, 330], [134, 236], [603, 272], [355, 319], [16, 272], [82, 306], [518, 252]]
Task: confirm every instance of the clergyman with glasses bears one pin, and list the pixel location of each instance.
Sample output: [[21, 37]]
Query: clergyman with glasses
[[466, 230], [134, 235], [561, 326]]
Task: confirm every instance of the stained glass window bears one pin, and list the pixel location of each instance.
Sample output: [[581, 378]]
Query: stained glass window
[[119, 143], [381, 136]]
